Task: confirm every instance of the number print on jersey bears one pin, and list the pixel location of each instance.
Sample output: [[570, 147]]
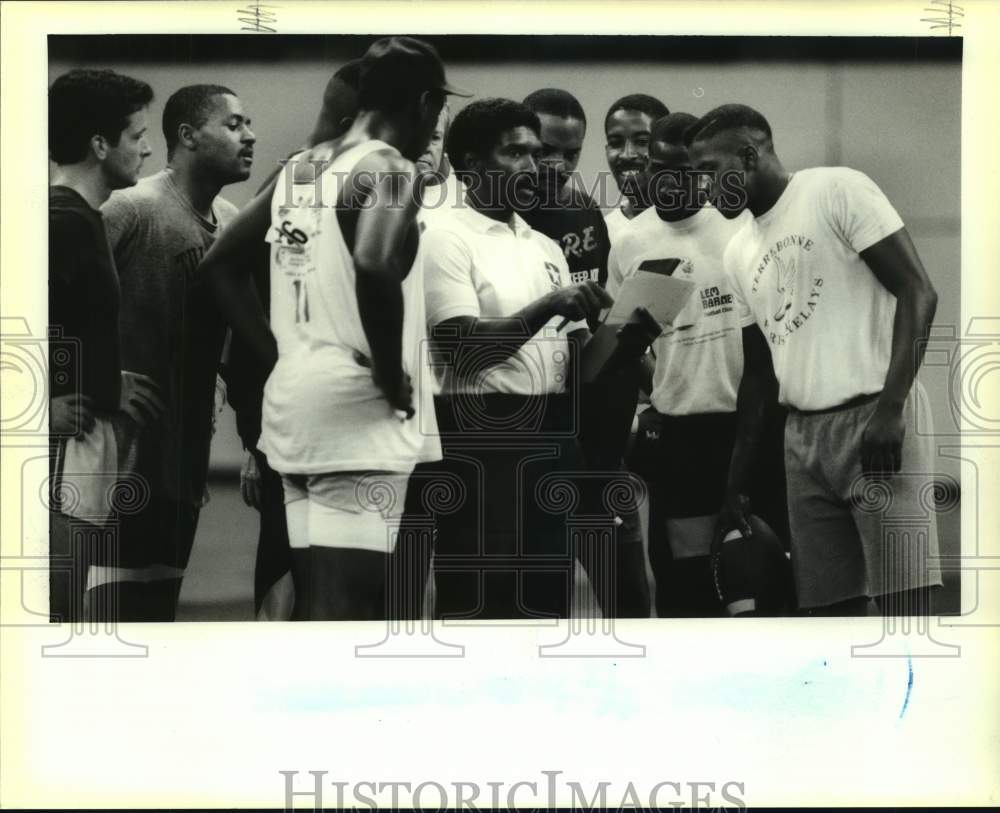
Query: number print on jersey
[[301, 300]]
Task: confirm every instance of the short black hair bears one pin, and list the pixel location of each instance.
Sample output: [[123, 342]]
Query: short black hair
[[86, 102], [478, 126], [727, 117], [189, 105], [556, 102], [670, 129], [642, 102]]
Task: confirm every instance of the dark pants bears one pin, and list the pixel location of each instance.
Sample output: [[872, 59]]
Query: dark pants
[[685, 461], [612, 554], [502, 548], [274, 557]]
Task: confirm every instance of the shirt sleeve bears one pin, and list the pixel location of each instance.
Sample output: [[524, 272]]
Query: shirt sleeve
[[730, 265], [121, 221], [449, 289], [72, 259], [604, 242], [615, 274], [860, 211]]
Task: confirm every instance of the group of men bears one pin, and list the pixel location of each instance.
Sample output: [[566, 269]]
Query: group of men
[[415, 300]]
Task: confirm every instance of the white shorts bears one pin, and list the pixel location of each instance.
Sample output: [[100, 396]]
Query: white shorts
[[349, 509]]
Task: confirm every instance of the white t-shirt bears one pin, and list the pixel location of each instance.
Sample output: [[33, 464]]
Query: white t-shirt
[[615, 220], [699, 359], [827, 318], [322, 411], [477, 266]]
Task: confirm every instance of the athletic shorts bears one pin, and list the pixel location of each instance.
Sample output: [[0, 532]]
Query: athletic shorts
[[854, 536], [685, 459], [346, 509]]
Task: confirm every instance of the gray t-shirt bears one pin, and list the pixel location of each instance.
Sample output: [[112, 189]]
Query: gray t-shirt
[[171, 329]]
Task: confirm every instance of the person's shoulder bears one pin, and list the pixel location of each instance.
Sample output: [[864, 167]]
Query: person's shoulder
[[144, 197], [385, 158], [740, 233], [729, 226], [71, 223], [66, 206], [824, 178]]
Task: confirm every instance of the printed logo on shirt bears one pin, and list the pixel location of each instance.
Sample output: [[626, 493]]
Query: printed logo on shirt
[[574, 245], [187, 262], [584, 276], [554, 277], [793, 241], [292, 234], [713, 301], [784, 266]]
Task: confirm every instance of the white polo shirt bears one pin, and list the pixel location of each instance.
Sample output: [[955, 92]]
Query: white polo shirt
[[477, 266], [826, 317]]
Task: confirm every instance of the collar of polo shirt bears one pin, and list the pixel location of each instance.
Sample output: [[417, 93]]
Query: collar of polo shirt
[[477, 221]]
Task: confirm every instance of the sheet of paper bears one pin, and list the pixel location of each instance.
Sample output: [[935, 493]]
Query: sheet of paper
[[661, 295]]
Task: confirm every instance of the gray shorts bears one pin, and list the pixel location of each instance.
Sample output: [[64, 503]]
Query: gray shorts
[[853, 536]]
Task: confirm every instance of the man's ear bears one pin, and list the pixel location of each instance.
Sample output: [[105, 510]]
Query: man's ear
[[99, 146], [431, 102], [749, 156], [188, 136]]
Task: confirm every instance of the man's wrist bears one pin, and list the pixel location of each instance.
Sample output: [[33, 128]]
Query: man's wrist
[[890, 403]]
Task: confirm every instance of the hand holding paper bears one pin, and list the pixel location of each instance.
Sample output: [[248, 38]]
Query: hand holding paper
[[663, 296]]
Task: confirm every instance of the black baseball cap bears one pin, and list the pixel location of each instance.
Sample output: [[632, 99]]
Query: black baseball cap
[[405, 63]]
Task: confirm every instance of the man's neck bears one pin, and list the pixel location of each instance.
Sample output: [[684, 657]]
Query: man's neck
[[560, 196], [200, 191], [370, 125], [676, 215], [770, 187], [501, 214], [631, 209], [87, 181]]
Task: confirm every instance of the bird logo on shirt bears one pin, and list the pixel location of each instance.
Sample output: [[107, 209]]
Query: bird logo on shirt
[[784, 280]]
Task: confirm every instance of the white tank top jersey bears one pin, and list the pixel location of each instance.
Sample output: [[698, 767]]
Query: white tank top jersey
[[699, 358], [322, 411], [826, 317]]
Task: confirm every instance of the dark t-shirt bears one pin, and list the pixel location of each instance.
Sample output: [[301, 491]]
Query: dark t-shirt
[[83, 303], [577, 225], [170, 325]]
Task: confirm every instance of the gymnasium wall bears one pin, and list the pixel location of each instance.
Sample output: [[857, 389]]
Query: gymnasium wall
[[896, 118]]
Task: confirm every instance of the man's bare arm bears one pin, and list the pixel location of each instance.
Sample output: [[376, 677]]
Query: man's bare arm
[[228, 268], [895, 264], [758, 389], [386, 218], [575, 302]]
